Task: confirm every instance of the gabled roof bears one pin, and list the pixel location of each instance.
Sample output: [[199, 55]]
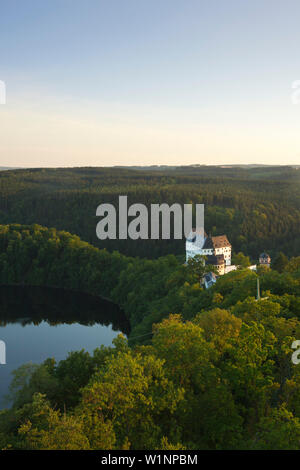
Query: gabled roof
[[265, 256], [193, 235], [220, 241], [216, 242], [210, 277], [208, 243]]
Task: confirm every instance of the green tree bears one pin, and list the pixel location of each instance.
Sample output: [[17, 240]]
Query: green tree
[[197, 267], [47, 429], [280, 262], [279, 431], [134, 394], [241, 260]]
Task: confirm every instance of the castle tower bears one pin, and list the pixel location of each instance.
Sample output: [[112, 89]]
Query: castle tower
[[265, 259]]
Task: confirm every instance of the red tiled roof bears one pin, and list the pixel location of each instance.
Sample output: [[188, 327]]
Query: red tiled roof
[[220, 241], [216, 242]]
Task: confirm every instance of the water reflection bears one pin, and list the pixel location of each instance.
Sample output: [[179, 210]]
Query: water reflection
[[37, 323], [32, 305]]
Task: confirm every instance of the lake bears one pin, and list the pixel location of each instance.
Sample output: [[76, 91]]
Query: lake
[[37, 323]]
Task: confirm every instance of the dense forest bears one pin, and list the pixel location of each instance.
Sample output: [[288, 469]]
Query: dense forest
[[257, 207], [201, 369]]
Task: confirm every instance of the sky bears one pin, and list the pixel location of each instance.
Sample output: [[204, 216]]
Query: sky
[[149, 82]]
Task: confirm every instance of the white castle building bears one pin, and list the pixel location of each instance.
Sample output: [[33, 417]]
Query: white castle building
[[216, 249]]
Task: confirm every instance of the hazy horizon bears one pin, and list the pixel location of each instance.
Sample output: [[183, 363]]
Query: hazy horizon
[[140, 83], [225, 165]]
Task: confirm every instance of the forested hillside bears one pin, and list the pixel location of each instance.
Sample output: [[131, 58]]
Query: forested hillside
[[258, 208], [202, 369]]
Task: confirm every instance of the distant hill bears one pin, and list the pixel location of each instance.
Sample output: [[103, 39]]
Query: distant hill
[[174, 167], [257, 208], [4, 168]]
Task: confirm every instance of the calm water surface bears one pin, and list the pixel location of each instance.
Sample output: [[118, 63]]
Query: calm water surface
[[37, 323]]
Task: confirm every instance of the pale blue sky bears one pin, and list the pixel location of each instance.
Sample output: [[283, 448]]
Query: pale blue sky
[[149, 81]]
